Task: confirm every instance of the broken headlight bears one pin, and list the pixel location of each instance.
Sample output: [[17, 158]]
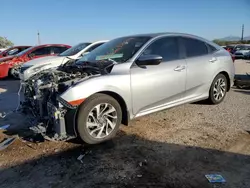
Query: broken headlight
[[65, 103]]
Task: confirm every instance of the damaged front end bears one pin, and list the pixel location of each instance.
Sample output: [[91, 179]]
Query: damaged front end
[[55, 117]]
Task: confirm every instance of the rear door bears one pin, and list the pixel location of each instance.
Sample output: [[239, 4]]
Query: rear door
[[201, 65]]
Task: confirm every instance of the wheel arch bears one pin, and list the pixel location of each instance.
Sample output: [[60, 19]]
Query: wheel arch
[[121, 101], [227, 77]]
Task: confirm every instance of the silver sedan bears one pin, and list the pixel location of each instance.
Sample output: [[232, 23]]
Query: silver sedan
[[149, 73]]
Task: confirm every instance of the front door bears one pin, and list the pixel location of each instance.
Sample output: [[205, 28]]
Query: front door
[[157, 86]]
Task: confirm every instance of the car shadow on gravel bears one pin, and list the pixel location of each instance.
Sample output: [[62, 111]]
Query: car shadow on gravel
[[130, 161], [245, 91]]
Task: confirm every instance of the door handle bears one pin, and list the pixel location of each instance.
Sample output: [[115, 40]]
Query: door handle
[[179, 68], [213, 59]]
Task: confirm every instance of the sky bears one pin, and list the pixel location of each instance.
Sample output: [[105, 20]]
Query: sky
[[74, 21]]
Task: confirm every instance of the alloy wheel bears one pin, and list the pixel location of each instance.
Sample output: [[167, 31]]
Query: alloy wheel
[[219, 89], [101, 120]]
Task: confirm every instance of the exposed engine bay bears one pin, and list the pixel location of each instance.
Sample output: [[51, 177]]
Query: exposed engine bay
[[41, 92]]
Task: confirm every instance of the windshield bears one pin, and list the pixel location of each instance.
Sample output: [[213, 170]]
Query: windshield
[[24, 51], [119, 50], [75, 49]]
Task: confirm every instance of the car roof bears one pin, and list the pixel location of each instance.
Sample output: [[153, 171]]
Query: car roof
[[152, 35], [44, 45], [20, 46]]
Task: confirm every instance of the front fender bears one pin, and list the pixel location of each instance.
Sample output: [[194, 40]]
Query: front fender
[[119, 84]]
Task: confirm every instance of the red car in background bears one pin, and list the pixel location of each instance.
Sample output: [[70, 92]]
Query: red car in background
[[10, 64], [13, 51]]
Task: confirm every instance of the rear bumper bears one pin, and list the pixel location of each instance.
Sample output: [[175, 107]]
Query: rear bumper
[[4, 70]]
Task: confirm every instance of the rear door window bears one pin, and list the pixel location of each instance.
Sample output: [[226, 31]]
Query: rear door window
[[13, 51], [58, 49], [211, 48], [42, 51], [194, 47]]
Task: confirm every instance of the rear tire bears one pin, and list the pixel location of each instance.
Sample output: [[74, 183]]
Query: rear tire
[[218, 89], [98, 119]]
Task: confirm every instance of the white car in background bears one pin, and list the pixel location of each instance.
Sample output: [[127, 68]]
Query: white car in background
[[2, 49], [37, 65]]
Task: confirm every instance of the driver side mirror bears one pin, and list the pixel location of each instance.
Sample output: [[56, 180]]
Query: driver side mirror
[[149, 60]]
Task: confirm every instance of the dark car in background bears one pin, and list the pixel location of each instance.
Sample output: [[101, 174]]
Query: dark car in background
[[9, 65], [13, 51], [242, 51]]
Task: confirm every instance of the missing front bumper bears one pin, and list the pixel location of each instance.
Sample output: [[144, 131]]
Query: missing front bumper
[[58, 125]]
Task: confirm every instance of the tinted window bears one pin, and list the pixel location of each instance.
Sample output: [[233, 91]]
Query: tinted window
[[13, 51], [167, 48], [94, 47], [75, 49], [58, 49], [194, 47], [211, 48], [41, 51]]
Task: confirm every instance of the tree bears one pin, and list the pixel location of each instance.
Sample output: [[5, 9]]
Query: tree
[[5, 43]]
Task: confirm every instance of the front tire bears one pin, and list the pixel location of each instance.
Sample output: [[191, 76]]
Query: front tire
[[13, 73], [218, 89], [98, 119]]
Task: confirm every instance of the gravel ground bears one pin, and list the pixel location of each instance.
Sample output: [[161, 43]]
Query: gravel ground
[[172, 148]]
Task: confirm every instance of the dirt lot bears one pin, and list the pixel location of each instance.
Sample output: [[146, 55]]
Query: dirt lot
[[172, 149]]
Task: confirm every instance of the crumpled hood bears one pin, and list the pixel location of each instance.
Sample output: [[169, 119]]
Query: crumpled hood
[[43, 60], [29, 68], [6, 58]]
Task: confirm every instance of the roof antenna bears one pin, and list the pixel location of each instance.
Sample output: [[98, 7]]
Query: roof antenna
[[38, 38]]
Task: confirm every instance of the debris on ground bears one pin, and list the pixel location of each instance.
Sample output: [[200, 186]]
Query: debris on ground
[[28, 144], [143, 163], [38, 129], [36, 138], [80, 158], [242, 81], [4, 127], [6, 142], [215, 178]]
